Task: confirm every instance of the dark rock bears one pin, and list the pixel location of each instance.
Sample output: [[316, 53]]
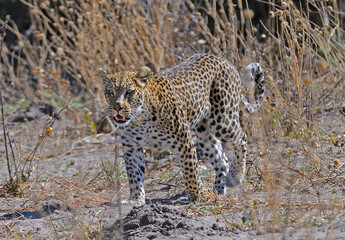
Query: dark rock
[[33, 111], [144, 220], [215, 226], [342, 111], [165, 233], [181, 224], [153, 236], [165, 209], [134, 224], [168, 224]]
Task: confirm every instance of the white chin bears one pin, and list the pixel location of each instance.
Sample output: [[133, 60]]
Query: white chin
[[121, 124]]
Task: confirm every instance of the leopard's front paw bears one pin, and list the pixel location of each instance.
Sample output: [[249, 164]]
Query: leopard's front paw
[[201, 196], [211, 194], [134, 202]]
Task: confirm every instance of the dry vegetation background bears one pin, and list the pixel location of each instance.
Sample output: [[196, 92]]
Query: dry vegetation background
[[296, 158]]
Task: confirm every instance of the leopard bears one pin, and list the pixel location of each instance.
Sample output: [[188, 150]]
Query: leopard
[[200, 97]]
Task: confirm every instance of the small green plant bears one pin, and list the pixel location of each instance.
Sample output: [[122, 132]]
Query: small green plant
[[69, 228]]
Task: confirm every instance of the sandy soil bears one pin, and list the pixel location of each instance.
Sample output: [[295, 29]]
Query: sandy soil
[[72, 194]]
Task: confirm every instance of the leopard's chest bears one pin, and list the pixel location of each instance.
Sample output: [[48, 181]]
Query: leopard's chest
[[143, 132]]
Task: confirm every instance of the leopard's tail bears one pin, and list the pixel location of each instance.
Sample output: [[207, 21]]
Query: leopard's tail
[[253, 76]]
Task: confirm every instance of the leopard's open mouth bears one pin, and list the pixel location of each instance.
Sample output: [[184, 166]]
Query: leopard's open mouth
[[120, 119]]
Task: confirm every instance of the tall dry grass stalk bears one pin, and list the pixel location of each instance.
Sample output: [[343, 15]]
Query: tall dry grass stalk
[[304, 59], [79, 38], [72, 40]]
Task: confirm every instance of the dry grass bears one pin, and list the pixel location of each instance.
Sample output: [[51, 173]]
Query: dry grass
[[297, 137]]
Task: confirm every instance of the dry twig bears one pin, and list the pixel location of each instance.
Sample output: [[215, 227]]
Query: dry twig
[[6, 135]]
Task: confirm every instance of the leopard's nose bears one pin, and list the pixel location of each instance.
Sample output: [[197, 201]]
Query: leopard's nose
[[117, 107]]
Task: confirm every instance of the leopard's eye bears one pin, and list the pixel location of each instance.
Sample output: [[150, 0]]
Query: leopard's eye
[[111, 92], [129, 92]]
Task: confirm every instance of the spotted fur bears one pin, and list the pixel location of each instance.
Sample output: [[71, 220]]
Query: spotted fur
[[201, 96]]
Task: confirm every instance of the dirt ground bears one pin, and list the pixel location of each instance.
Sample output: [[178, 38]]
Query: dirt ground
[[72, 192]]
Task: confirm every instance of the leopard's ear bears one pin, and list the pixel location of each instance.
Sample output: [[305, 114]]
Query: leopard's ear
[[143, 75], [104, 76]]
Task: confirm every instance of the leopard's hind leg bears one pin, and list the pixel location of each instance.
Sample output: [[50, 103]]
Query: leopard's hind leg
[[224, 123], [213, 151]]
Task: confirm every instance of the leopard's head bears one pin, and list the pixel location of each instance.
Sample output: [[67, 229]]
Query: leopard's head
[[124, 91]]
